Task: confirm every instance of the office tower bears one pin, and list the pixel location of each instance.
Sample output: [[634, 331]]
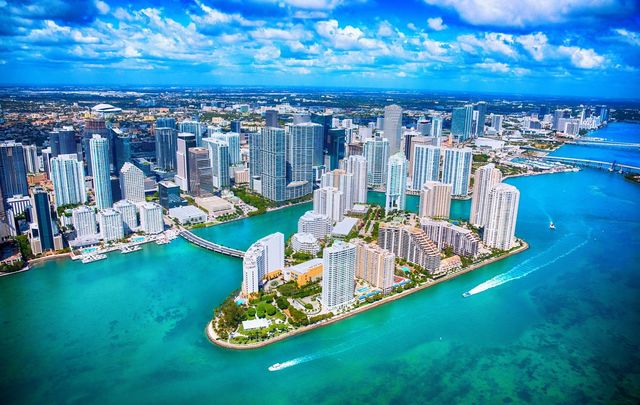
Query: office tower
[[263, 257], [485, 178], [166, 146], [481, 107], [375, 265], [329, 201], [379, 125], [169, 194], [602, 112], [13, 171], [376, 151], [99, 152], [461, 122], [435, 200], [457, 170], [95, 127], [326, 121], [67, 175], [122, 152], [336, 147], [445, 234], [271, 118], [273, 164], [343, 181], [496, 122], [42, 231], [300, 149], [299, 118], [255, 162], [338, 276], [393, 127], [236, 126], [219, 158], [425, 164], [129, 214], [46, 159], [233, 141], [132, 183], [111, 225], [436, 127], [318, 225], [31, 161], [83, 219], [18, 204], [313, 132], [63, 141], [185, 141], [396, 183], [423, 127], [151, 221], [166, 122], [499, 231], [193, 127], [200, 173], [410, 244], [417, 140], [357, 167], [116, 192]]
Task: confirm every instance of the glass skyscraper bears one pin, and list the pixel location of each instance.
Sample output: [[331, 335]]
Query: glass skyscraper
[[462, 122], [376, 151], [396, 183], [457, 170], [67, 175], [99, 151], [13, 170], [393, 127], [166, 147]]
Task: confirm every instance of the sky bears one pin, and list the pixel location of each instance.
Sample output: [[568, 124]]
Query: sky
[[546, 47]]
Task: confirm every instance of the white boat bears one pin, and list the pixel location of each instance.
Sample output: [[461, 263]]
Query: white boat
[[466, 294], [552, 226], [93, 258], [129, 249], [275, 367], [162, 241]]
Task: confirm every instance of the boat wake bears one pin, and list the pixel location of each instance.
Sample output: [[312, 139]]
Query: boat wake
[[521, 270], [310, 357], [291, 363]]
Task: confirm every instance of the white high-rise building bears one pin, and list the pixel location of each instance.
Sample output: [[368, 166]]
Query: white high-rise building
[[219, 156], [376, 152], [193, 127], [129, 214], [496, 122], [329, 201], [31, 158], [396, 183], [99, 151], [357, 167], [500, 228], [338, 276], [84, 221], [426, 164], [343, 181], [232, 139], [67, 175], [151, 218], [185, 141], [263, 257], [435, 200], [317, 225], [457, 170], [485, 178], [436, 128], [132, 183], [393, 127], [111, 226]]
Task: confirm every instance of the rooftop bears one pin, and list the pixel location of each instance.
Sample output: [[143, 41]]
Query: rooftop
[[343, 227]]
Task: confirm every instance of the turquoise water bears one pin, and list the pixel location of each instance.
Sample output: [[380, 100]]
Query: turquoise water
[[557, 323]]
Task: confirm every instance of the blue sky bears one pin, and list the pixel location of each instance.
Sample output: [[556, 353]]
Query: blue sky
[[564, 47]]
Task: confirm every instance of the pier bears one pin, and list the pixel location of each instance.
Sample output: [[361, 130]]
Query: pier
[[196, 240], [594, 164]]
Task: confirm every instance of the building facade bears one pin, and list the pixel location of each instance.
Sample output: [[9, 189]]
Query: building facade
[[338, 276], [435, 200], [485, 178], [396, 183], [99, 150]]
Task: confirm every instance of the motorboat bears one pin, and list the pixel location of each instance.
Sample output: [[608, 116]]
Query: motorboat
[[93, 258], [276, 367], [466, 294], [552, 226], [129, 249]]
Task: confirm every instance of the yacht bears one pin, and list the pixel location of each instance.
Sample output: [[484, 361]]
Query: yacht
[[162, 241], [129, 249], [466, 294], [93, 258], [552, 226], [275, 367]]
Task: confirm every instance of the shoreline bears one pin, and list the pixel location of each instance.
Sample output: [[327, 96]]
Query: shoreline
[[511, 176], [213, 338]]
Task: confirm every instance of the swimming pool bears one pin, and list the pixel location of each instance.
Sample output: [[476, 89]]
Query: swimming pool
[[138, 239], [88, 250]]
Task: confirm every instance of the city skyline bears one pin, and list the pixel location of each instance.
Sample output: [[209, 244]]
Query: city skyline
[[570, 47]]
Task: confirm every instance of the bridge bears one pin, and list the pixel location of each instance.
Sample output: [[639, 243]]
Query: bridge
[[604, 143], [196, 240], [596, 164]]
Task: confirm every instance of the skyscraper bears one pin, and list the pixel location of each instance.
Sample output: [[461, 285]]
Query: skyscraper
[[325, 120], [129, 214], [263, 257], [435, 200], [99, 152], [132, 183], [374, 265], [31, 158], [219, 158], [255, 161], [271, 118], [111, 225], [84, 222], [13, 171], [485, 178], [42, 224], [166, 122], [343, 181], [338, 276], [461, 122], [329, 201], [393, 127], [122, 152], [300, 148], [67, 175], [273, 163], [396, 183], [185, 141], [426, 164], [62, 141], [457, 170], [357, 167], [166, 146], [95, 127], [496, 122], [481, 107], [316, 132], [200, 174], [376, 152], [193, 127], [336, 147], [499, 232], [436, 127], [151, 218]]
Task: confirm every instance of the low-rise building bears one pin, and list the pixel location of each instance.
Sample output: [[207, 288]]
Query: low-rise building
[[304, 273], [305, 242], [445, 234], [316, 224], [188, 215]]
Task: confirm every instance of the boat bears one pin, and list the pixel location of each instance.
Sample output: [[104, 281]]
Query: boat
[[93, 258], [275, 367], [129, 249], [552, 226], [162, 241], [466, 294]]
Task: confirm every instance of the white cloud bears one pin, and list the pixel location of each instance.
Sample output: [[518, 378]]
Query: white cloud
[[385, 29], [582, 58], [493, 66], [535, 44], [345, 38], [436, 24], [630, 37], [102, 7], [267, 53], [491, 43]]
